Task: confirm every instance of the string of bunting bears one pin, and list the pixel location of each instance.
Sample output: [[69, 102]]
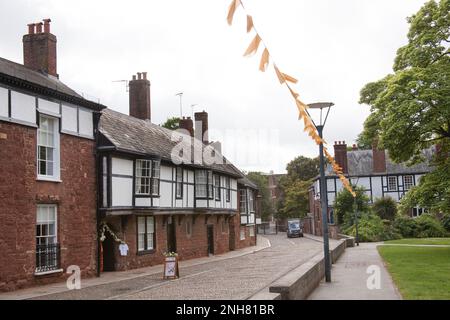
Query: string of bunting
[[287, 80]]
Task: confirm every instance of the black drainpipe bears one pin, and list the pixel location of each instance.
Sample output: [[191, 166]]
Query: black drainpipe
[[97, 172]]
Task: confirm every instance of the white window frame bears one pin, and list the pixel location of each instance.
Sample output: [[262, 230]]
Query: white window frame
[[389, 185], [217, 190], [148, 235], [179, 183], [242, 233], [55, 222], [243, 201], [204, 188], [408, 185], [251, 231], [55, 149], [142, 180], [156, 172], [228, 189], [251, 202]]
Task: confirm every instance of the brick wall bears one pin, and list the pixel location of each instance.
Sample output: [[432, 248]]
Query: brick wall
[[20, 193]]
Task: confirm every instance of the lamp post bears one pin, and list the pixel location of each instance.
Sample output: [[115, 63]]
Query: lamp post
[[323, 187]]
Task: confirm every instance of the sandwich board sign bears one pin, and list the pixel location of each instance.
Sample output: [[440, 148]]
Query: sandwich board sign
[[171, 270]]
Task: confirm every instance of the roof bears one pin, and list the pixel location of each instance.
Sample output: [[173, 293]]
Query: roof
[[360, 163], [17, 75], [132, 135], [245, 181]]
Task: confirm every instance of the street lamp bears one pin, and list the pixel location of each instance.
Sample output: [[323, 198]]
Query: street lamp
[[323, 187]]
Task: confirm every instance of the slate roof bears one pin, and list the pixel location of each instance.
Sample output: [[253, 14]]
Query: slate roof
[[132, 135], [360, 163], [245, 181], [15, 74]]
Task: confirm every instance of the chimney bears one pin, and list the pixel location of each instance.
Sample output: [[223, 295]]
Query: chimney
[[140, 97], [379, 159], [39, 48], [355, 147], [201, 125], [217, 145], [187, 124], [340, 155]]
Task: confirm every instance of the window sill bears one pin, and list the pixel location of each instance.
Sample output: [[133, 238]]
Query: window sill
[[48, 179], [48, 272], [143, 253]]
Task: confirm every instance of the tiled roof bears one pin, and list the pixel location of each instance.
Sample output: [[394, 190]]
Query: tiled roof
[[245, 181], [129, 134]]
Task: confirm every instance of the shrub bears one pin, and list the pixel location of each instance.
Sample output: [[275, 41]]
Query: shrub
[[371, 228], [429, 227], [344, 203], [385, 208], [445, 220], [406, 226]]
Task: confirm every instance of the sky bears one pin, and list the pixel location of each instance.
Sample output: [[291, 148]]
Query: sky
[[332, 47]]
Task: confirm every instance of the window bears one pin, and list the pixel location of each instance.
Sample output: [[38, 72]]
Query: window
[[243, 201], [392, 183], [204, 184], [242, 234], [217, 187], [224, 226], [228, 188], [155, 177], [417, 212], [146, 233], [251, 202], [189, 228], [251, 231], [147, 177], [179, 183], [48, 148], [408, 182], [143, 176], [47, 248]]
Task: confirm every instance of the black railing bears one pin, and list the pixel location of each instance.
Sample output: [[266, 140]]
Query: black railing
[[47, 257]]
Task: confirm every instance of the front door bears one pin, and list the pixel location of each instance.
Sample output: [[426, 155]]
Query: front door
[[232, 236], [210, 236], [171, 236], [109, 259]]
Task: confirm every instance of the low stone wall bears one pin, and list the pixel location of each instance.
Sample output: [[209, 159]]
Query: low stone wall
[[300, 282], [350, 241]]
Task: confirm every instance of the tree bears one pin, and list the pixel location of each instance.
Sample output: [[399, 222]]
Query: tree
[[411, 107], [385, 208], [344, 204], [303, 168], [262, 182], [296, 201], [171, 123]]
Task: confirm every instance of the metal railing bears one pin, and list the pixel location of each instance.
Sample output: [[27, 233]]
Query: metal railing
[[47, 257]]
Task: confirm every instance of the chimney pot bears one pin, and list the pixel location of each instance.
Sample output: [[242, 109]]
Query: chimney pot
[[31, 28], [139, 76], [144, 75], [39, 27], [134, 77], [47, 25], [201, 119]]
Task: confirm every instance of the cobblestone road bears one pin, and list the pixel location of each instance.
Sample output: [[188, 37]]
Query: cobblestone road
[[230, 279]]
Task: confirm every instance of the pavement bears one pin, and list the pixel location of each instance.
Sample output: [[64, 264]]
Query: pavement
[[236, 275], [350, 277]]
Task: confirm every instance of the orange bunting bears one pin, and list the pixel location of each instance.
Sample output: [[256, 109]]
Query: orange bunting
[[264, 60], [249, 23], [253, 47], [232, 9]]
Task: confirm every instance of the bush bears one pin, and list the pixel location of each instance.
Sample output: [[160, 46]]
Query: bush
[[445, 220], [429, 227], [385, 208], [371, 228], [406, 226]]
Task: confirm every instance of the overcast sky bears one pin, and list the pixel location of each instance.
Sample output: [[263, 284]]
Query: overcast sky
[[333, 47]]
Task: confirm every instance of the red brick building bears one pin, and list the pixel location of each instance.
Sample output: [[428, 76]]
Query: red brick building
[[47, 173]]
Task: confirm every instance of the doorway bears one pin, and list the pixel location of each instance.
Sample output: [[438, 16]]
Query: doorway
[[210, 237], [109, 260], [232, 237], [171, 236]]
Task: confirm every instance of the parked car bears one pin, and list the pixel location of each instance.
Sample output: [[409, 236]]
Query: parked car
[[294, 228]]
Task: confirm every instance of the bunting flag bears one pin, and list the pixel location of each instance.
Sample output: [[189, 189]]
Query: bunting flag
[[286, 79], [253, 47], [249, 23], [264, 60]]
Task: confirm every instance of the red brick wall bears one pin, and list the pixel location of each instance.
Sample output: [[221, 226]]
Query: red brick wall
[[20, 193], [188, 247]]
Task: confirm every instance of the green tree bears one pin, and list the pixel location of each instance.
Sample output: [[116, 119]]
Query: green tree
[[303, 168], [171, 123], [385, 208], [262, 182], [344, 204], [411, 107], [296, 201]]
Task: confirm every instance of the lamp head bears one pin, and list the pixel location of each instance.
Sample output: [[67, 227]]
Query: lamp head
[[320, 105]]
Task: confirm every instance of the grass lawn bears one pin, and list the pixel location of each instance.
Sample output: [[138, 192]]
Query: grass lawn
[[420, 273], [426, 241]]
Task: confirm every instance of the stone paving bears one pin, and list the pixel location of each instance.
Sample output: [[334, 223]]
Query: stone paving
[[234, 278]]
